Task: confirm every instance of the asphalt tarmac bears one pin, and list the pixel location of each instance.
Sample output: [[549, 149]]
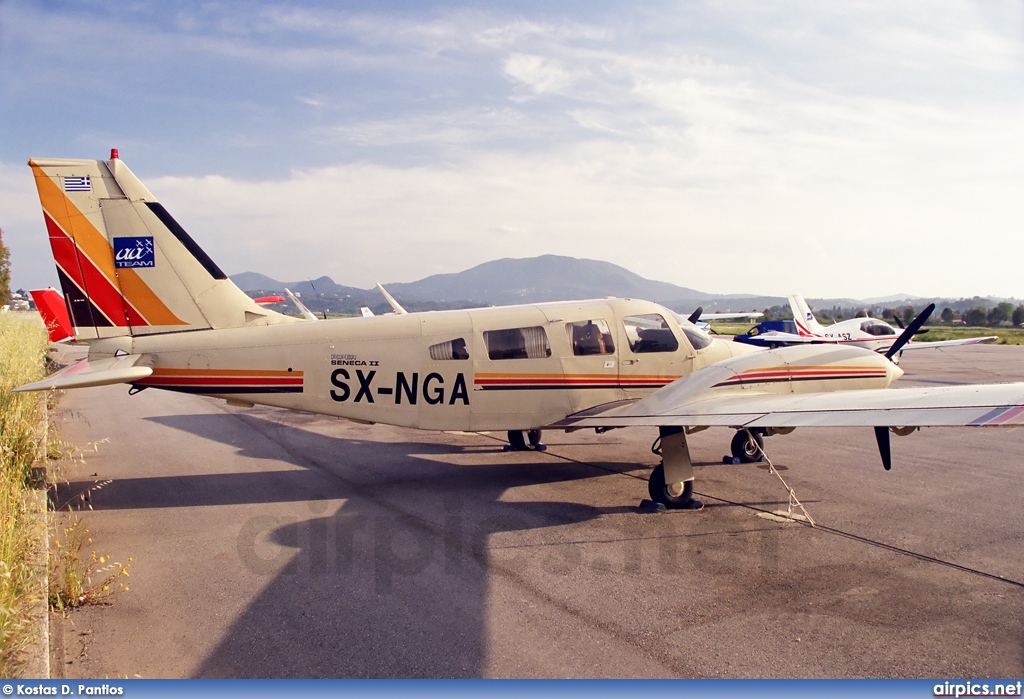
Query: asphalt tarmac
[[268, 543]]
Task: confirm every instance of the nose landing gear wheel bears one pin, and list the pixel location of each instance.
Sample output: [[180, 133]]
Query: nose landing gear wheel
[[744, 447], [674, 496]]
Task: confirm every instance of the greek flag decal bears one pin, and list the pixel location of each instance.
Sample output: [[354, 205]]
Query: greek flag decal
[[77, 184]]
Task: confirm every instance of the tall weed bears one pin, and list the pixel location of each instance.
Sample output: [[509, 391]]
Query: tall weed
[[23, 351]]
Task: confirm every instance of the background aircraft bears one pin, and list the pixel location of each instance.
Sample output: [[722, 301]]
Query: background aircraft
[[156, 312], [703, 320], [54, 311], [869, 333]]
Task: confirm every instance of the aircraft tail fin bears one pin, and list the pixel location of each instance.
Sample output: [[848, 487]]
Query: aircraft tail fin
[[54, 312], [806, 323], [125, 265]]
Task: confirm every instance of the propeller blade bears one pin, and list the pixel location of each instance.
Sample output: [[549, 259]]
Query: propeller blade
[[882, 437], [899, 322], [910, 331], [695, 316]]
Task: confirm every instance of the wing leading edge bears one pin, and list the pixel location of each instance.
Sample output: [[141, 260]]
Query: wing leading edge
[[949, 406]]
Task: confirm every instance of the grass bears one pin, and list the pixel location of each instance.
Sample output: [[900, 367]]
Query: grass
[[1007, 336], [23, 349], [73, 578]]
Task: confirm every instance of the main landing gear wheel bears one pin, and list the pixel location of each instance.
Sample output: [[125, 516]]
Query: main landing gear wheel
[[517, 441], [675, 496], [747, 446]]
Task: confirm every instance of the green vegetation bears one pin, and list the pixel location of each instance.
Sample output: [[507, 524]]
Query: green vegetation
[[71, 577], [1007, 336], [5, 270], [22, 442]]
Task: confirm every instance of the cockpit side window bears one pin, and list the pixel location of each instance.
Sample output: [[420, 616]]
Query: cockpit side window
[[517, 343], [649, 333], [877, 327], [590, 337], [453, 349]]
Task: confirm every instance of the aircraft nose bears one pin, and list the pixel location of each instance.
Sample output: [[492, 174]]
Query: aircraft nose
[[893, 372]]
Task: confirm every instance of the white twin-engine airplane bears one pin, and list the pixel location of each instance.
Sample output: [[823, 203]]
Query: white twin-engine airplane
[[869, 333], [157, 312]]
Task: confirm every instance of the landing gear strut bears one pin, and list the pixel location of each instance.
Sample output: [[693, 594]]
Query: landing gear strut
[[671, 483]]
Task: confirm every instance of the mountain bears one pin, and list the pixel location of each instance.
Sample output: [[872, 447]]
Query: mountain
[[547, 278], [254, 281], [500, 282], [536, 279]]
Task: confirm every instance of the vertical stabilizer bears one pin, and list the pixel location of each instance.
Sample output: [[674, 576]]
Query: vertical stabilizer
[[125, 265], [806, 323]]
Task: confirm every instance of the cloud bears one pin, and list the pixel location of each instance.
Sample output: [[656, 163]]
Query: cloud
[[684, 141]]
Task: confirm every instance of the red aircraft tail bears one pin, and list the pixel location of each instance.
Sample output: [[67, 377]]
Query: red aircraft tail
[[54, 311]]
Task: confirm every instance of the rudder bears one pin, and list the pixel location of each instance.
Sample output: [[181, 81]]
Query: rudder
[[125, 265]]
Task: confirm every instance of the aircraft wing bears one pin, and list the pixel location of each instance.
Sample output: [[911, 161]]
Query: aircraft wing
[[729, 316], [395, 306], [93, 372], [780, 338], [988, 340], [306, 313], [984, 405]]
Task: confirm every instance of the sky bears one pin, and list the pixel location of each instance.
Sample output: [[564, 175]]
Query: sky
[[841, 149]]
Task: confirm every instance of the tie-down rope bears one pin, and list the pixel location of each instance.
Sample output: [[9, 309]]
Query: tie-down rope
[[793, 500]]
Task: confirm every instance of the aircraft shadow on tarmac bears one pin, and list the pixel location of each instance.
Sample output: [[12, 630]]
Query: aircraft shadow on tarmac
[[394, 582]]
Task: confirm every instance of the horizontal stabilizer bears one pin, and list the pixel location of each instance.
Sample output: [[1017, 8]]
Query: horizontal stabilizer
[[93, 372]]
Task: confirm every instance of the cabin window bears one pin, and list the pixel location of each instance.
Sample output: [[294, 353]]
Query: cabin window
[[877, 327], [517, 343], [590, 337], [453, 349], [649, 333]]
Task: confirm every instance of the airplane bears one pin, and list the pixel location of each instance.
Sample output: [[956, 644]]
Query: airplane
[[157, 312], [396, 308], [869, 333], [54, 313], [703, 320], [267, 300]]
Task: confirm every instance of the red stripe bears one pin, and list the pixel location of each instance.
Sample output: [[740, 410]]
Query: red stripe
[[1006, 417], [514, 382], [104, 295], [569, 383]]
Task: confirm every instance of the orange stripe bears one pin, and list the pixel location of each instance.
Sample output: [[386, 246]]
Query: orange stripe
[[800, 368], [610, 375], [94, 245]]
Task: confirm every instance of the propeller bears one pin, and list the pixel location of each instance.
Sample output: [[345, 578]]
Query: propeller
[[882, 433], [695, 316], [882, 437], [903, 327], [910, 331]]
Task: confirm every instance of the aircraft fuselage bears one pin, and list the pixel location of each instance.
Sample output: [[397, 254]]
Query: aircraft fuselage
[[507, 368]]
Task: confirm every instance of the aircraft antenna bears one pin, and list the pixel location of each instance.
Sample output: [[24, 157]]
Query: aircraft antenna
[[323, 306]]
